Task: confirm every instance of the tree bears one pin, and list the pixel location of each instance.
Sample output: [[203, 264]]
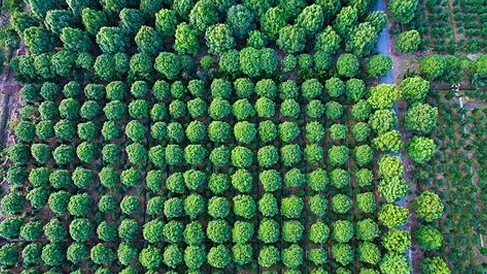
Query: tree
[[291, 39], [383, 96], [128, 229], [39, 40], [319, 232], [75, 40], [378, 65], [126, 253], [268, 256], [172, 256], [345, 20], [240, 20], [388, 141], [267, 156], [111, 40], [31, 254], [244, 206], [18, 153], [378, 19], [342, 253], [242, 253], [131, 20], [242, 232], [272, 21], [338, 155], [328, 41], [433, 67], [148, 40], [435, 265], [292, 231], [79, 204], [53, 254], [311, 19], [219, 256], [218, 207], [420, 118], [369, 253], [402, 11], [428, 206], [408, 41], [150, 257], [257, 39], [396, 240], [194, 256], [219, 38], [395, 263], [292, 206], [166, 21], [414, 89], [318, 204], [383, 120], [392, 215], [56, 20], [428, 237], [107, 203], [81, 229], [10, 228], [167, 64], [268, 231], [393, 188], [249, 61], [186, 39], [347, 65], [421, 149], [25, 131], [203, 15], [292, 256], [367, 230], [362, 39], [8, 254], [107, 231], [101, 254], [58, 202], [257, 6], [194, 234], [390, 166], [218, 231], [221, 88]]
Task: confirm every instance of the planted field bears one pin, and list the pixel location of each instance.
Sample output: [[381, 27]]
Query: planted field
[[458, 174], [450, 26], [208, 137]]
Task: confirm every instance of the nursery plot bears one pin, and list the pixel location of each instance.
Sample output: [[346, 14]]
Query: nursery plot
[[201, 137], [457, 173], [449, 26]]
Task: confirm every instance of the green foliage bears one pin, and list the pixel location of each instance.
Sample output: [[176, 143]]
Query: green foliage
[[395, 263], [392, 215], [268, 231], [291, 39], [378, 65], [367, 230], [402, 11], [240, 20], [421, 149], [428, 206], [396, 240], [408, 41], [420, 118], [342, 253], [434, 265], [414, 89], [219, 38], [428, 237], [319, 232], [347, 65]]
